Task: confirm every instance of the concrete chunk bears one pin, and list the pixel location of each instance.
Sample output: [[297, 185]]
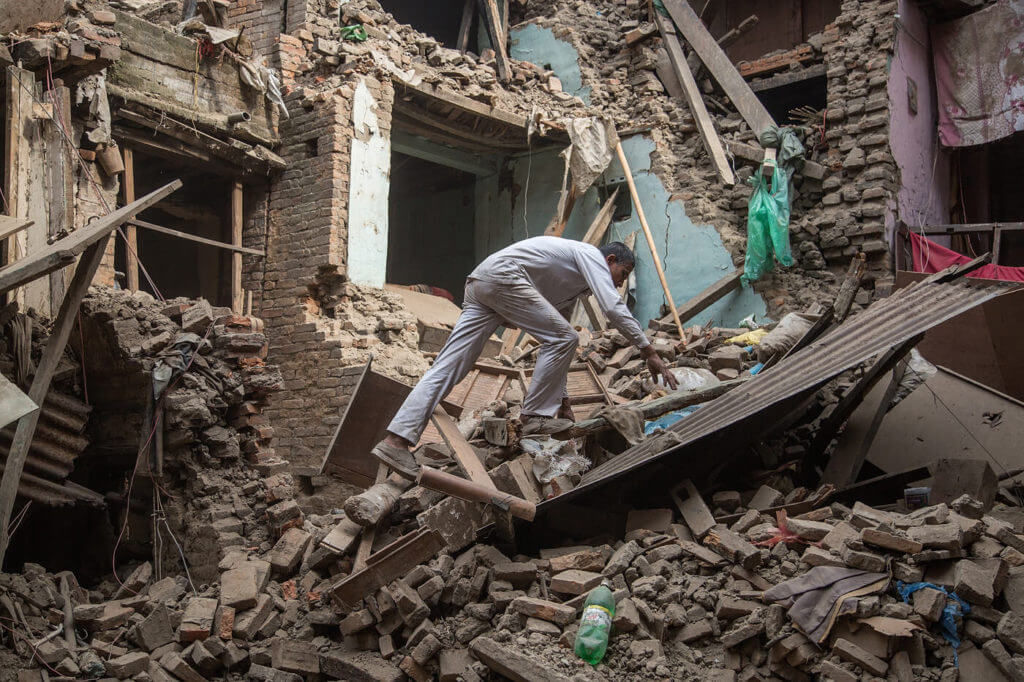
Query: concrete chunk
[[848, 651], [559, 614], [238, 587]]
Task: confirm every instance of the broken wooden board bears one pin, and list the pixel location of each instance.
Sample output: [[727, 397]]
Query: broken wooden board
[[64, 251], [920, 425], [719, 65], [755, 154], [695, 101], [385, 565], [464, 453], [705, 299], [595, 233], [157, 69]]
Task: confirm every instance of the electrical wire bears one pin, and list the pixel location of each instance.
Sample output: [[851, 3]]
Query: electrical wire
[[138, 459]]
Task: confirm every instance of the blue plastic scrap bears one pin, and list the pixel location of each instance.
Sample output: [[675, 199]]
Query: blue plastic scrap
[[955, 608]]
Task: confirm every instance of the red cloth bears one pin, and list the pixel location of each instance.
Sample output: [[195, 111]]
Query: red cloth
[[931, 257]]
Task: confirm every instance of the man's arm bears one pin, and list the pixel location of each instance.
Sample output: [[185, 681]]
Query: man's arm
[[599, 279]]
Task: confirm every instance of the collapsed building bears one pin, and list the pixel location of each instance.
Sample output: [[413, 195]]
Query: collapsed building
[[273, 207]]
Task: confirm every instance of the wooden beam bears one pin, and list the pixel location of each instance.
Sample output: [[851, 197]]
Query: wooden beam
[[468, 10], [131, 234], [60, 175], [708, 297], [720, 66], [236, 240], [733, 35], [194, 238], [755, 154], [846, 406], [11, 226], [385, 565], [595, 233], [996, 239], [848, 288], [650, 238], [656, 407], [464, 453], [17, 101], [967, 227], [64, 251], [52, 354], [847, 459], [471, 491], [493, 21], [369, 533], [695, 101]]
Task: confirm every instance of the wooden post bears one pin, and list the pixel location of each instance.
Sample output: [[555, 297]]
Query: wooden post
[[997, 234], [54, 351], [61, 179], [468, 10], [236, 240], [131, 233], [695, 101], [493, 21], [650, 238]]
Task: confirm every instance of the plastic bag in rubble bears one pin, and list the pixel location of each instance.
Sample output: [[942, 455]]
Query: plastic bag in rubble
[[918, 371], [552, 458], [691, 378], [787, 332], [767, 226]]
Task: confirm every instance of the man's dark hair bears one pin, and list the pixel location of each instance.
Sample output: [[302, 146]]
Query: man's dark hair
[[623, 254]]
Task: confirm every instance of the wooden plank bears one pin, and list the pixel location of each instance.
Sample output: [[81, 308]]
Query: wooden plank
[[16, 160], [493, 20], [838, 469], [59, 170], [755, 154], [966, 227], [236, 240], [720, 66], [594, 313], [131, 233], [11, 226], [52, 354], [695, 101], [596, 231], [385, 565], [464, 453], [847, 459], [734, 34], [64, 251], [650, 238], [194, 238], [468, 10], [705, 299]]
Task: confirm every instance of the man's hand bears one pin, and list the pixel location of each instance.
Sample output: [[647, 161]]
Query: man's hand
[[658, 367], [565, 411]]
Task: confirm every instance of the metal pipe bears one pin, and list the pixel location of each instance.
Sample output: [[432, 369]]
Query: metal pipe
[[464, 489], [239, 117]]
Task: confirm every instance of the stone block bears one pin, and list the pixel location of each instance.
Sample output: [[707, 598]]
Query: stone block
[[848, 651], [889, 541], [197, 620], [560, 614], [575, 582], [238, 587]]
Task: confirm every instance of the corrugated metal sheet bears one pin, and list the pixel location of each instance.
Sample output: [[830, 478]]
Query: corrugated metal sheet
[[883, 325]]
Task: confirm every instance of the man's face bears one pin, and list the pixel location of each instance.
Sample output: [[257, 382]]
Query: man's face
[[619, 271]]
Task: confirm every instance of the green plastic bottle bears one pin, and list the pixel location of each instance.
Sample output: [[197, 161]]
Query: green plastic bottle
[[595, 624]]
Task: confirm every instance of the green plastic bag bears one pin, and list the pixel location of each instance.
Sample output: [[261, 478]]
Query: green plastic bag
[[355, 32], [767, 226]]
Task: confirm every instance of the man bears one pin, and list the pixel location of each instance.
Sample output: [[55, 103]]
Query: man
[[531, 285]]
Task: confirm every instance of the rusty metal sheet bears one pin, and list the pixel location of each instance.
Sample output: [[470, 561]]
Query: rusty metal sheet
[[739, 415]]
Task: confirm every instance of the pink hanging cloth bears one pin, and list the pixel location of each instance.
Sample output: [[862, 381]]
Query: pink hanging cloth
[[931, 257]]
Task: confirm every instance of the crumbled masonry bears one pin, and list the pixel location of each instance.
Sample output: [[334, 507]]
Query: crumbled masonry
[[188, 510]]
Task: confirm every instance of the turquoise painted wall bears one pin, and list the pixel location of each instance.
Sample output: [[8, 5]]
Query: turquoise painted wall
[[539, 46], [519, 202]]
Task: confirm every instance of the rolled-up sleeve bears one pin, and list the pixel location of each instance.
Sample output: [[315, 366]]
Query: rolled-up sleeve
[[599, 279]]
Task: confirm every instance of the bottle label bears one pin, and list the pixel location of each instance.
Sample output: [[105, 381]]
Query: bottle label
[[596, 615]]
